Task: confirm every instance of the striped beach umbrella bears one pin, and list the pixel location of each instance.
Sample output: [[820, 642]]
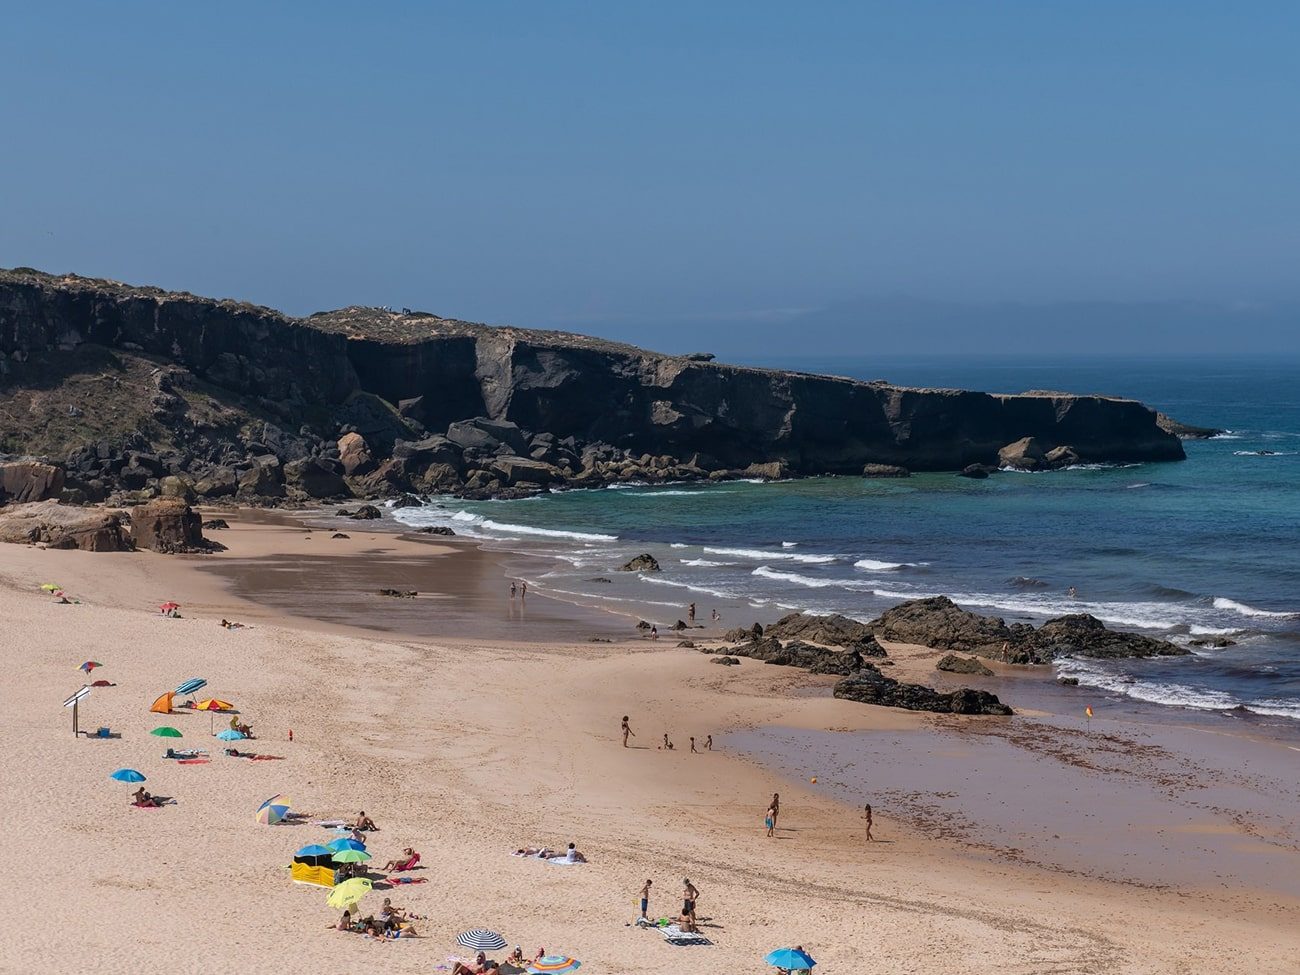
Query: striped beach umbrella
[[348, 893], [274, 810], [127, 775], [554, 964], [192, 685], [480, 939]]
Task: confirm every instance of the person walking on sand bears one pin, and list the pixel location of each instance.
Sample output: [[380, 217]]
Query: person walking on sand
[[708, 744], [513, 590], [776, 808], [523, 589], [645, 899], [689, 896], [693, 751], [627, 731], [866, 815], [668, 745], [690, 614], [654, 632]]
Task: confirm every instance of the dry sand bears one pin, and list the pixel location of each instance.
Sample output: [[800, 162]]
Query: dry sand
[[468, 748]]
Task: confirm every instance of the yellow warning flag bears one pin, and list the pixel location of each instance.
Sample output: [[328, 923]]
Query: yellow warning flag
[[1088, 710]]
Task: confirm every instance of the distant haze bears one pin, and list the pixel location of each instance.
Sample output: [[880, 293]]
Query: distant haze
[[749, 178]]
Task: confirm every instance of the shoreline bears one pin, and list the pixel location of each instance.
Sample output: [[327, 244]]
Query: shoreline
[[395, 714]]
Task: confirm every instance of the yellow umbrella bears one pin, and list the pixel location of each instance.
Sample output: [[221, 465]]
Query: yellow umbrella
[[213, 704], [348, 893], [50, 587]]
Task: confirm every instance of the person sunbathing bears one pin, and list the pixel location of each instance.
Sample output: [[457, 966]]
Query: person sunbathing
[[480, 966], [143, 798], [364, 823], [404, 864], [245, 729], [544, 853]]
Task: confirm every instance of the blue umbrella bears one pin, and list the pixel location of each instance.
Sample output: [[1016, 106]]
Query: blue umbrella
[[345, 843], [315, 850], [230, 734], [790, 959], [127, 775], [191, 685]]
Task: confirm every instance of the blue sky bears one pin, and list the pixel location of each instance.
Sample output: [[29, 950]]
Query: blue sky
[[677, 173]]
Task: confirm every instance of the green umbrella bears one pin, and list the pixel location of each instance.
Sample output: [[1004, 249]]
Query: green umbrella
[[165, 732], [351, 856]]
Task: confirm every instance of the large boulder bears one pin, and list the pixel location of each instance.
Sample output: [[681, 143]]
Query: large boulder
[[642, 563], [355, 455], [1026, 454], [1082, 635], [167, 525], [833, 630], [513, 470], [316, 477], [220, 482], [22, 481], [487, 435], [870, 686], [796, 653], [264, 479], [939, 623], [64, 526], [953, 664]]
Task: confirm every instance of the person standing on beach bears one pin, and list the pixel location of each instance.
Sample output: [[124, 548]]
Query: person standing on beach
[[654, 632], [627, 731], [866, 814], [690, 614], [689, 896], [708, 744], [716, 617], [513, 590], [776, 808], [668, 745], [769, 821], [523, 590], [693, 751], [645, 899]]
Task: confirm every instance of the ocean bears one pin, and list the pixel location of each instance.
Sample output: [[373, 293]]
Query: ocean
[[1206, 548]]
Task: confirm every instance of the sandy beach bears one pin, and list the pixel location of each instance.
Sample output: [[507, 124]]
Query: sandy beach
[[467, 727]]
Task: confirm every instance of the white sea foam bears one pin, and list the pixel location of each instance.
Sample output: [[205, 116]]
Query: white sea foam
[[675, 494], [1274, 708], [693, 587], [760, 555], [1260, 453], [705, 563], [789, 544], [677, 545], [767, 572], [467, 519], [873, 565], [1221, 602]]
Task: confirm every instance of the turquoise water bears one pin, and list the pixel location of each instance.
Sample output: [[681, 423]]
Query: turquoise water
[[1204, 548]]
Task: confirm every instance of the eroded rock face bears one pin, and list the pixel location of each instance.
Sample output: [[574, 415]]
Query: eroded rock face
[[167, 525], [953, 664], [316, 477], [354, 454], [941, 624], [870, 686], [834, 631], [23, 481], [64, 526], [815, 660]]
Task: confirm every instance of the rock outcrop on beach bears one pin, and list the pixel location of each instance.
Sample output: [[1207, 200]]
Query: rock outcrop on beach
[[64, 526], [941, 624], [834, 630], [953, 664], [22, 481], [126, 385], [168, 525], [641, 563], [870, 686], [1185, 431]]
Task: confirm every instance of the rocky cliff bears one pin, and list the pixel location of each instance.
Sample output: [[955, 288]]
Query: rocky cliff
[[115, 378]]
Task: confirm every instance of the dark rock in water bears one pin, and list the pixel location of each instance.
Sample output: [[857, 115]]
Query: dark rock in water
[[885, 470], [953, 664], [1028, 582], [643, 625], [340, 535], [343, 513], [399, 593], [599, 639], [642, 563], [727, 661], [407, 501], [215, 524], [1185, 431], [870, 686], [168, 525], [602, 579], [367, 512], [1059, 457], [679, 625], [435, 530], [833, 630], [938, 622], [1068, 681], [976, 472], [1214, 642]]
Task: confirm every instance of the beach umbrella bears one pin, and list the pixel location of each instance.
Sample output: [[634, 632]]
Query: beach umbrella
[[349, 892], [213, 704], [553, 964], [168, 606], [345, 843], [90, 665], [351, 856], [50, 586], [273, 810], [165, 732], [315, 850], [230, 734], [480, 939], [191, 685], [791, 959], [127, 775]]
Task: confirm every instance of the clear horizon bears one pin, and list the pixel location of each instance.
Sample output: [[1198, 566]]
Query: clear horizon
[[738, 178]]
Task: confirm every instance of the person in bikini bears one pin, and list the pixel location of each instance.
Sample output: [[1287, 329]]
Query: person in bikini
[[627, 731]]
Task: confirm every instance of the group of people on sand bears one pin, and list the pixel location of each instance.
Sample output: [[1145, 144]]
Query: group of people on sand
[[667, 745], [515, 962], [141, 797], [519, 588], [571, 855], [690, 895], [388, 922]]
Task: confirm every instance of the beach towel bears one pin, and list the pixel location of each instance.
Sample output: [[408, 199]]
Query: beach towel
[[331, 823], [267, 758], [674, 935], [564, 861], [193, 761], [408, 880]]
